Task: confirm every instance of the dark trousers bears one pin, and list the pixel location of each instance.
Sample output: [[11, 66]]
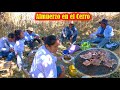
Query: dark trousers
[[9, 55], [38, 40], [31, 42], [64, 39]]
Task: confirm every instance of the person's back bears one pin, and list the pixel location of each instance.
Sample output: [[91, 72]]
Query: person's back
[[19, 46], [108, 32], [43, 60], [44, 63]]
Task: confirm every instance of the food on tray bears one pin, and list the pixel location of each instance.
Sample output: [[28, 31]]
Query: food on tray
[[103, 58], [95, 57], [86, 56], [66, 57], [110, 63], [95, 62], [87, 63]]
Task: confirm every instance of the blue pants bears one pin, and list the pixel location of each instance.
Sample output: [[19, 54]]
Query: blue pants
[[9, 55], [31, 43], [63, 39], [101, 41], [74, 38], [59, 71], [97, 40]]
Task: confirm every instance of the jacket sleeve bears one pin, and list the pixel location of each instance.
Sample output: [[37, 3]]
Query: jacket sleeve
[[47, 71], [109, 32], [16, 47], [34, 34], [4, 46], [26, 36], [64, 31], [75, 32], [98, 30]]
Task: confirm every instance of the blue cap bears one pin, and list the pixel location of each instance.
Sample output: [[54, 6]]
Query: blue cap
[[65, 52]]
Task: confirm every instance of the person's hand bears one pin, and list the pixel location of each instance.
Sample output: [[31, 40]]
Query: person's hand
[[36, 37], [63, 72], [100, 35], [62, 67], [11, 50], [71, 38], [60, 58]]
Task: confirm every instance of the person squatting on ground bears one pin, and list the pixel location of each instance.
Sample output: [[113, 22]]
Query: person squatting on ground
[[69, 33], [30, 37], [103, 34], [44, 63], [7, 47]]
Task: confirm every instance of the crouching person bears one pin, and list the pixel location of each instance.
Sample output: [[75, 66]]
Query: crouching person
[[69, 33], [30, 37], [44, 63], [7, 47]]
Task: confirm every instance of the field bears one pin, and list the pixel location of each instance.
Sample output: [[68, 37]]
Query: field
[[55, 27]]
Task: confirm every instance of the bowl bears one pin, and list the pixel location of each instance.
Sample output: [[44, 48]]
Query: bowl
[[67, 60]]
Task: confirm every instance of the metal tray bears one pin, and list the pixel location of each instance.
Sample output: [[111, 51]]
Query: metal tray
[[96, 71]]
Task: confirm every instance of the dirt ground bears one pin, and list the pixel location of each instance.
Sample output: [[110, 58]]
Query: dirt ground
[[12, 70]]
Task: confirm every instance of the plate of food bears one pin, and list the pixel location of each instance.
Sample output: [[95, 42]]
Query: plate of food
[[96, 62]]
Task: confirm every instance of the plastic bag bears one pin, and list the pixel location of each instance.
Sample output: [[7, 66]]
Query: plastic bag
[[73, 48]]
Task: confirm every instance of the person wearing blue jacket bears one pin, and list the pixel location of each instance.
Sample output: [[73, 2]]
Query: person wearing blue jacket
[[103, 34], [7, 47], [30, 37], [69, 33]]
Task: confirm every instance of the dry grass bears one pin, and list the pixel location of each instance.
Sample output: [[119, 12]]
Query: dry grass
[[55, 27]]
